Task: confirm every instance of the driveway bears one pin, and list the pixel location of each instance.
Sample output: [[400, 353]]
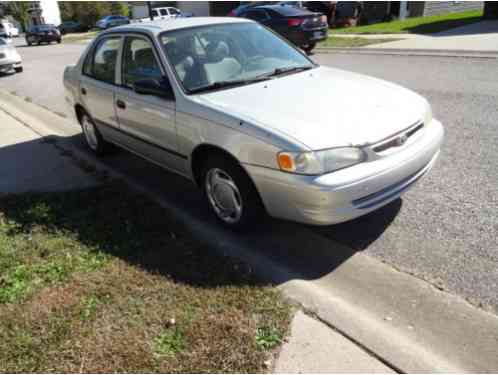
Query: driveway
[[443, 231]]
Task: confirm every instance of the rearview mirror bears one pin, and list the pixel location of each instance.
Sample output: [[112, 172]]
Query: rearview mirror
[[161, 88]]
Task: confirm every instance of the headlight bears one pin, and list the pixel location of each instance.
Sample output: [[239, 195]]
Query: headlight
[[320, 162], [427, 114]]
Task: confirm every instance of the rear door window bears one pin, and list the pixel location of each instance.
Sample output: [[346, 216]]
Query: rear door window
[[164, 12], [103, 63]]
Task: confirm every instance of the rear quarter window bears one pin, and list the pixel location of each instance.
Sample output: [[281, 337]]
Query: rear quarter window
[[101, 63]]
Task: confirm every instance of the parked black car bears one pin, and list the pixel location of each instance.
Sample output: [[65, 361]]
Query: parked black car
[[298, 25], [245, 6], [39, 34], [72, 27]]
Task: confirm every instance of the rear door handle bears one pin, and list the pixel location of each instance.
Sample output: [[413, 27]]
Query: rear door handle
[[121, 104], [83, 91]]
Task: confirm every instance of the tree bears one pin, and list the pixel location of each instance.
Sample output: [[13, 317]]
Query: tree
[[119, 8], [18, 10], [89, 12]]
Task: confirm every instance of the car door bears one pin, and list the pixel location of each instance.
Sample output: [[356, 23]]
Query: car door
[[148, 121], [164, 13], [98, 83]]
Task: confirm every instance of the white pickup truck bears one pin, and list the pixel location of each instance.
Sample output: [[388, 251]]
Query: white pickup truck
[[164, 13]]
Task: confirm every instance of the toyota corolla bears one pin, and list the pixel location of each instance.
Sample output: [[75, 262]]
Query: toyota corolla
[[250, 119]]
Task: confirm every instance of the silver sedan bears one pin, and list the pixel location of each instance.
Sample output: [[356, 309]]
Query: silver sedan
[[252, 120], [10, 60]]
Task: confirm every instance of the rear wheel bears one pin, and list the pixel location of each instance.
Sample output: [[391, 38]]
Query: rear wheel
[[59, 41], [18, 69], [93, 138], [309, 47], [230, 193]]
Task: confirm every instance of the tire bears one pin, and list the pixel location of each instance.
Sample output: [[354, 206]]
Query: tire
[[309, 47], [30, 44], [59, 41], [230, 193], [93, 137], [18, 69]]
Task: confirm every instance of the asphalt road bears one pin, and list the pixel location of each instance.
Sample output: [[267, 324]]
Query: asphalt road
[[445, 230]]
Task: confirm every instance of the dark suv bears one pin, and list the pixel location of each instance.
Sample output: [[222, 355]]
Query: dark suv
[[43, 34]]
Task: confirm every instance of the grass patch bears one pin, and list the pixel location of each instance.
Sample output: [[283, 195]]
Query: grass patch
[[103, 280], [416, 25], [169, 343], [344, 42], [268, 337]]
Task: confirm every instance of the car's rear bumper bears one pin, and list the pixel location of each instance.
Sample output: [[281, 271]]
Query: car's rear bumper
[[305, 37], [351, 192]]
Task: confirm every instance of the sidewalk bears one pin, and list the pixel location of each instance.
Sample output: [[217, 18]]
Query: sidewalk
[[480, 38], [315, 348], [30, 163]]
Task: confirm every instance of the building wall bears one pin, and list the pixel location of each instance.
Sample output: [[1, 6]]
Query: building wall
[[50, 12], [198, 8], [374, 11], [440, 7], [416, 8], [139, 11]]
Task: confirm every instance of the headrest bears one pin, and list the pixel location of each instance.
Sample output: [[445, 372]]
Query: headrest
[[217, 51]]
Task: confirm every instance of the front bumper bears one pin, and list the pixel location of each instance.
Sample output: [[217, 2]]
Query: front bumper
[[351, 192], [7, 65], [43, 38]]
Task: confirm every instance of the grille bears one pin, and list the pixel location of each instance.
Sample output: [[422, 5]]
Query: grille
[[399, 140]]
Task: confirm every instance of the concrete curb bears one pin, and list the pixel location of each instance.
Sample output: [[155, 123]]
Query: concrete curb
[[411, 52], [403, 321]]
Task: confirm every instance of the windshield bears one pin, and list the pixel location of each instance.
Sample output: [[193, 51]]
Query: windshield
[[214, 56]]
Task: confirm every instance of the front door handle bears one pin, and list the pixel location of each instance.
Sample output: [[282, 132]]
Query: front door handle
[[121, 104]]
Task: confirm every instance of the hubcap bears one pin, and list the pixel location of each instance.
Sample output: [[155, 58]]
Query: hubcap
[[90, 133], [224, 196]]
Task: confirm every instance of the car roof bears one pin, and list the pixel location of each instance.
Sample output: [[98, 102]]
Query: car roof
[[284, 10], [157, 27]]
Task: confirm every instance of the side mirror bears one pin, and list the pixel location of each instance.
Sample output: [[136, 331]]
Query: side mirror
[[161, 88]]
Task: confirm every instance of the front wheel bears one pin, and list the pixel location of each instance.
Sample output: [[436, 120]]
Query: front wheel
[[18, 69], [230, 193]]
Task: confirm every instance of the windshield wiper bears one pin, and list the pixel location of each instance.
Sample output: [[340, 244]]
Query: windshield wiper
[[291, 69], [225, 84]]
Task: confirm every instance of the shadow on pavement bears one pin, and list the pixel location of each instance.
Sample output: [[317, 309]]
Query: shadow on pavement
[[305, 252]]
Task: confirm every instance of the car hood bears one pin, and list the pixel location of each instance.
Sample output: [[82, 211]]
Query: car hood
[[323, 107]]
